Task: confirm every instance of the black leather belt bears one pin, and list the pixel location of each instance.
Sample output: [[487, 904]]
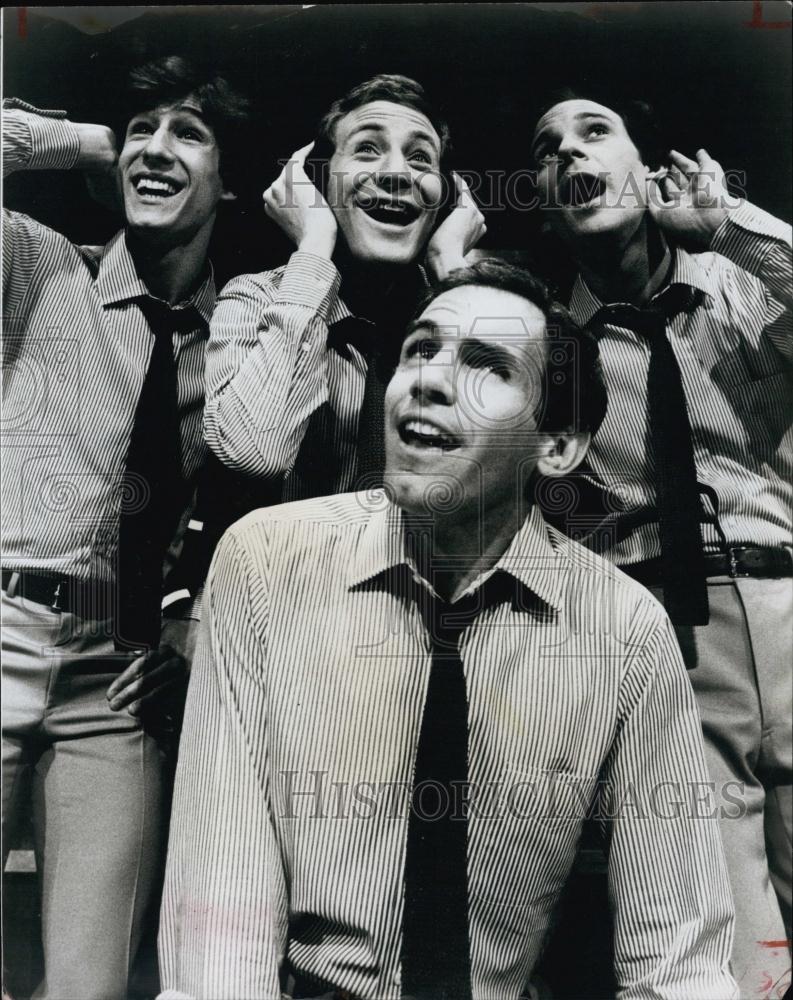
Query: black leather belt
[[737, 561], [88, 598]]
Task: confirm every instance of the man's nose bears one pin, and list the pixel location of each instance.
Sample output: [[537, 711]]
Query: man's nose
[[434, 379], [570, 148], [158, 146], [394, 173]]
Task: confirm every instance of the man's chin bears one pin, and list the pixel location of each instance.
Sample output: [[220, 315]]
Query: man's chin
[[426, 495], [604, 221], [400, 249]]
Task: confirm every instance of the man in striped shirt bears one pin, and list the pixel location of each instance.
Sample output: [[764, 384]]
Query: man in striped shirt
[[719, 272], [298, 354], [104, 362], [292, 839]]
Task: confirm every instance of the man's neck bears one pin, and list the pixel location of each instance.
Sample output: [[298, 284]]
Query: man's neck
[[627, 272], [171, 273], [451, 553]]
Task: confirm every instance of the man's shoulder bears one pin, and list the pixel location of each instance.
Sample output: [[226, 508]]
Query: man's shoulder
[[318, 519], [592, 575]]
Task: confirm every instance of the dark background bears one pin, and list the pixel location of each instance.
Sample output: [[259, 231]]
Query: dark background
[[717, 74]]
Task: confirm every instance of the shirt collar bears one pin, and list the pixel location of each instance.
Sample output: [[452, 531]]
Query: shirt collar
[[686, 270], [532, 558], [118, 281]]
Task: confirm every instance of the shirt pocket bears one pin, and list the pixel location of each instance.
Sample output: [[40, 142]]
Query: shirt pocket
[[521, 849], [764, 408]]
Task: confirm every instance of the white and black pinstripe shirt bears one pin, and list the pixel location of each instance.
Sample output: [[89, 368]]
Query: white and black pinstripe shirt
[[282, 400], [734, 349], [76, 347], [289, 822]]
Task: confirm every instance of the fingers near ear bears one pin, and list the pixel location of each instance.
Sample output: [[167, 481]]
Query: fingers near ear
[[704, 159], [300, 154], [685, 164]]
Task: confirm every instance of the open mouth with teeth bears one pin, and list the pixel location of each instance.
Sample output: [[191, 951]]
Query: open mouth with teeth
[[421, 434], [580, 190], [148, 186], [390, 213]]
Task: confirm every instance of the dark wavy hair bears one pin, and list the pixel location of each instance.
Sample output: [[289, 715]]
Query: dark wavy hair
[[574, 397]]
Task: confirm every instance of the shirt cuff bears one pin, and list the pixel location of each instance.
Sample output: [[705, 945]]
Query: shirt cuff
[[54, 141], [747, 236], [310, 281]]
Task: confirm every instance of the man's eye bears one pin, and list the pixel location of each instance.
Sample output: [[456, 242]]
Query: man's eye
[[485, 360], [424, 348], [140, 128], [366, 148], [544, 154], [420, 156], [191, 134], [598, 129]]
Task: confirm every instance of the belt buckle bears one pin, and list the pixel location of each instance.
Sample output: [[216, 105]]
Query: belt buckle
[[56, 597], [732, 557]]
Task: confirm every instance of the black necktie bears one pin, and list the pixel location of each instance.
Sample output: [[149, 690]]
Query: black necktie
[[435, 946], [379, 344], [677, 493], [153, 488]]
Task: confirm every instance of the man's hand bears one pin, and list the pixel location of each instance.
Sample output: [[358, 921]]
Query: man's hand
[[296, 205], [157, 679], [689, 199], [459, 232], [99, 159], [97, 148]]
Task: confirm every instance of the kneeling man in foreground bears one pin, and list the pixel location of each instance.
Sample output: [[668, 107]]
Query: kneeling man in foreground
[[405, 704]]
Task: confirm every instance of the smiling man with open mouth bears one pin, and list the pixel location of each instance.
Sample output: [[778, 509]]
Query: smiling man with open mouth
[[91, 674], [299, 356]]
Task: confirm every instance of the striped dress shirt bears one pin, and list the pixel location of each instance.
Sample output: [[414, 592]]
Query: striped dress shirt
[[283, 397], [76, 347], [734, 349], [288, 832]]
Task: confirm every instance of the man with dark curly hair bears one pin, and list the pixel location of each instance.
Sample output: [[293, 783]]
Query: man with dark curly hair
[[103, 396]]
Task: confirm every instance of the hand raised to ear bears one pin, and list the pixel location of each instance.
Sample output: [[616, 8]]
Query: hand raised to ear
[[689, 199], [459, 232], [296, 205]]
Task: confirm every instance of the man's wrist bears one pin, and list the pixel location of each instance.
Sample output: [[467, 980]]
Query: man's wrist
[[319, 246], [441, 262]]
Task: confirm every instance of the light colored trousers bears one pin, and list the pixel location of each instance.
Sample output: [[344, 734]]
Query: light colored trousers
[[743, 680], [96, 783]]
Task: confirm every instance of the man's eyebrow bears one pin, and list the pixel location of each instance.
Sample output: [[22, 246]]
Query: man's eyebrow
[[186, 109], [579, 116], [377, 127], [429, 326], [488, 351], [181, 109]]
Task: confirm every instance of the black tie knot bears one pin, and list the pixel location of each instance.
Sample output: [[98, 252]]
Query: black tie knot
[[650, 320], [165, 320]]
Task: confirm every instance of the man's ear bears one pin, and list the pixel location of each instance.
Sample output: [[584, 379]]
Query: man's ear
[[564, 453]]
